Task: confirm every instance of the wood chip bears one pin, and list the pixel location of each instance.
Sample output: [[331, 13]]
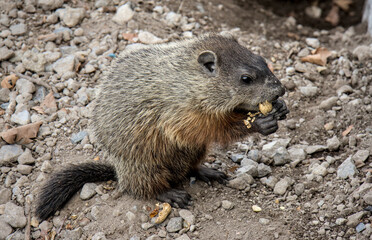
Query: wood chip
[[347, 130], [9, 81], [319, 56], [23, 134], [333, 17]]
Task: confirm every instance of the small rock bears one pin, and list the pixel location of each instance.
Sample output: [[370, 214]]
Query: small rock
[[270, 181], [315, 149], [34, 61], [254, 154], [24, 169], [241, 182], [313, 11], [227, 205], [341, 221], [344, 89], [174, 224], [148, 38], [50, 4], [183, 237], [45, 226], [78, 137], [281, 186], [290, 70], [281, 156], [187, 216], [256, 208], [263, 170], [9, 154], [248, 169], [362, 53], [299, 188], [18, 29], [333, 143], [26, 158], [25, 86], [5, 53], [328, 103], [296, 154], [99, 236], [88, 191], [71, 16], [237, 158], [5, 230], [319, 170], [264, 221], [72, 234], [131, 216], [360, 227], [145, 226], [361, 156], [21, 118], [124, 13], [270, 148], [63, 65], [300, 67], [14, 215], [312, 42], [89, 68], [173, 19], [346, 169], [303, 52], [153, 237], [353, 220], [5, 195], [4, 94], [309, 91], [46, 167]]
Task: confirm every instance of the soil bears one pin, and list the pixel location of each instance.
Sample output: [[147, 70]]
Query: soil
[[261, 26]]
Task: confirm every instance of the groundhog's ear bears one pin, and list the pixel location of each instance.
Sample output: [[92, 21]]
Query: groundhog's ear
[[208, 60]]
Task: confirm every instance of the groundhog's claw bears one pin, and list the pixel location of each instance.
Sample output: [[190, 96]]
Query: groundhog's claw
[[281, 109], [175, 197], [207, 175]]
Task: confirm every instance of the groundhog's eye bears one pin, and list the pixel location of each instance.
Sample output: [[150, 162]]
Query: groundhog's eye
[[246, 78]]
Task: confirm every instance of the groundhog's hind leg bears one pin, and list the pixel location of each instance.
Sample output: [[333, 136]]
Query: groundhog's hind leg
[[207, 175], [175, 196]]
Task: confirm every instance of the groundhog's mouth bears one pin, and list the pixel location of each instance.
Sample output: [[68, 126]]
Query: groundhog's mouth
[[245, 109]]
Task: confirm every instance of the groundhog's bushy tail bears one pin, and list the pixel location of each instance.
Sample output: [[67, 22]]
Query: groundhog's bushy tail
[[64, 184]]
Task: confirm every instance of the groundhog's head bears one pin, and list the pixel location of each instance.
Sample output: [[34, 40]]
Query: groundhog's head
[[239, 80]]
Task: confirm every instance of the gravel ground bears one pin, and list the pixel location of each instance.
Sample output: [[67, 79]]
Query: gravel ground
[[310, 180]]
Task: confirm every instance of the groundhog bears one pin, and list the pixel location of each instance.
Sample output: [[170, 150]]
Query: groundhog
[[158, 110]]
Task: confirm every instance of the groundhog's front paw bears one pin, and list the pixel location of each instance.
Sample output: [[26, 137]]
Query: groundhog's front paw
[[175, 197], [269, 124], [207, 175]]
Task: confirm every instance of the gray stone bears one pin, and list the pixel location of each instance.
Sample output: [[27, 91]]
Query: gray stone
[[361, 156], [4, 20], [148, 38], [368, 198], [309, 91], [5, 230], [263, 170], [270, 148], [249, 169], [312, 42], [360, 227], [82, 96], [5, 195], [248, 162], [124, 13], [71, 16], [50, 4], [270, 181], [300, 67], [237, 158], [154, 237], [63, 65], [313, 11], [341, 221], [88, 191], [25, 86], [24, 169], [174, 224], [33, 61], [9, 154], [45, 226], [227, 205], [173, 19], [99, 236], [14, 215], [344, 89], [319, 170], [46, 167], [328, 103], [183, 237], [145, 226], [72, 234], [40, 94], [299, 188], [18, 29], [264, 221], [281, 186], [131, 216], [353, 220], [21, 118], [4, 95], [254, 154], [78, 137], [333, 143], [187, 216], [347, 169], [242, 181], [281, 156], [315, 149], [297, 154], [5, 53], [362, 52]]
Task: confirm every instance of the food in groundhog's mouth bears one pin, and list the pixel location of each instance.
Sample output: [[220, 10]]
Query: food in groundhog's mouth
[[264, 108]]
